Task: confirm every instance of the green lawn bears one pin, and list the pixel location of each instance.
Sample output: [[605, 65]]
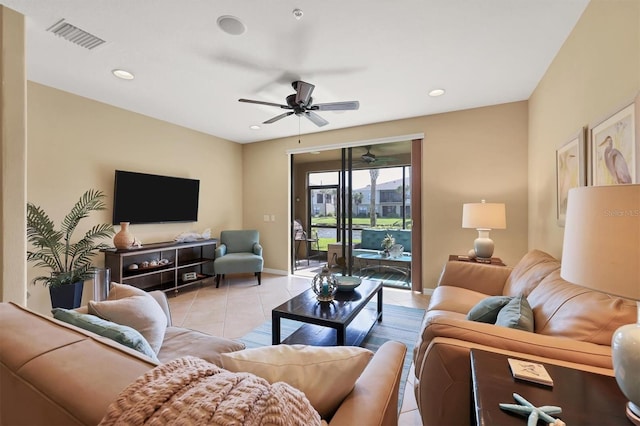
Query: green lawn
[[383, 222]]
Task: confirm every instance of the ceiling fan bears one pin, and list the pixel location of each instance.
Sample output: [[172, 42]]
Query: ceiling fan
[[301, 104], [370, 158]]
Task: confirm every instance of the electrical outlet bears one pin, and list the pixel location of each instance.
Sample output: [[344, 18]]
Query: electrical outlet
[[273, 218], [266, 217]]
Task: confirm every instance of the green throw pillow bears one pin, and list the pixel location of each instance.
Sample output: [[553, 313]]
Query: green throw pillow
[[120, 333], [516, 314], [487, 309]]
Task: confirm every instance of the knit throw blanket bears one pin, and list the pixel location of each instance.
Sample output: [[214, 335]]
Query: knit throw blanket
[[191, 391]]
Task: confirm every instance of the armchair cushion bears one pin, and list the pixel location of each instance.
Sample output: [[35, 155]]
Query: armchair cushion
[[238, 241]]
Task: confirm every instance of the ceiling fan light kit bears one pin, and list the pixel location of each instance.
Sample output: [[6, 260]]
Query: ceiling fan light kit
[[301, 104]]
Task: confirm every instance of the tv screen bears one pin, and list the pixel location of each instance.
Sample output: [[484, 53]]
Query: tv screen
[[146, 198]]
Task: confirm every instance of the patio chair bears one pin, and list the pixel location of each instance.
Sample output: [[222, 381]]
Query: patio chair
[[301, 237], [239, 252]]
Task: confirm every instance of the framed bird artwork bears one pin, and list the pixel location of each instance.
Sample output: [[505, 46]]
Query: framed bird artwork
[[570, 170], [614, 149]]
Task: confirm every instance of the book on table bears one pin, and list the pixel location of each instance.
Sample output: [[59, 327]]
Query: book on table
[[530, 371]]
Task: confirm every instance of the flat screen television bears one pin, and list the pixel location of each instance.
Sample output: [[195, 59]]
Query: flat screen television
[[146, 198]]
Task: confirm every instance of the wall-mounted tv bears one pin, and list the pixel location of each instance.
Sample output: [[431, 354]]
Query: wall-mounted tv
[[146, 198]]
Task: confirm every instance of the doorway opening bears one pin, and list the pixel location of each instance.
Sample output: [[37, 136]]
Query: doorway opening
[[338, 194]]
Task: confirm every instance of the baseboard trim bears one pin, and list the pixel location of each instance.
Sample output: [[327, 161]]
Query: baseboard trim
[[275, 271]]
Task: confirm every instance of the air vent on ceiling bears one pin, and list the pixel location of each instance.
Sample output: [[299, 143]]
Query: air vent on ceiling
[[75, 35]]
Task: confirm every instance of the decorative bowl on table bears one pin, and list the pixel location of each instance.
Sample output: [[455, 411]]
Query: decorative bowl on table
[[347, 283]]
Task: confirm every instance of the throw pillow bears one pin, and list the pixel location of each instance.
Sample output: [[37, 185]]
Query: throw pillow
[[326, 375], [122, 334], [487, 309], [516, 314], [128, 305]]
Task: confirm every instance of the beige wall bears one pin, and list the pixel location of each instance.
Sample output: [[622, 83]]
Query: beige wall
[[596, 71], [500, 153], [467, 155], [13, 150], [76, 144]]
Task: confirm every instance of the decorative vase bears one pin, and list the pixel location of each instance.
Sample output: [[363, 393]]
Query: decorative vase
[[324, 285], [123, 239]]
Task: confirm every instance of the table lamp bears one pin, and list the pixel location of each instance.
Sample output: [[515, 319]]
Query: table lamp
[[484, 217], [601, 251]]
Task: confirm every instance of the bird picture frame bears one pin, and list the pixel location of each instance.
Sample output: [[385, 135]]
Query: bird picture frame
[[570, 170], [613, 148]]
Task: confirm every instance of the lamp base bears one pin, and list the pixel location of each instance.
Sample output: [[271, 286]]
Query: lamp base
[[483, 245], [635, 418], [626, 362]]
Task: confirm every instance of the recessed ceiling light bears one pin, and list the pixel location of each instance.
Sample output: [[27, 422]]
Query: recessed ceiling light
[[436, 92], [254, 127], [231, 25], [123, 74]]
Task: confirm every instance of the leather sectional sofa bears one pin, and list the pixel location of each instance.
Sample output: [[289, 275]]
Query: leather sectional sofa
[[54, 373], [572, 326]]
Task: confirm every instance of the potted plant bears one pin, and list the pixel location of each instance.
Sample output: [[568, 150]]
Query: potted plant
[[70, 263], [387, 242]]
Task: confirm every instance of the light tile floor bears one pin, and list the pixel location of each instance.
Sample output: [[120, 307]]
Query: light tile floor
[[240, 305]]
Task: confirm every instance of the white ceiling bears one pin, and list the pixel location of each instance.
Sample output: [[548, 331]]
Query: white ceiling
[[386, 54]]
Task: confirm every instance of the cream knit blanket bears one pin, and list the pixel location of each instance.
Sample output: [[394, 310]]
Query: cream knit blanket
[[191, 391]]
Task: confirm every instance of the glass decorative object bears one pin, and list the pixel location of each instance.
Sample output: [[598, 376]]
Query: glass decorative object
[[324, 285], [396, 250]]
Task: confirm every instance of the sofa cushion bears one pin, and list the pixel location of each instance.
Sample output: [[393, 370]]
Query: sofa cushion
[[516, 314], [134, 307], [528, 273], [454, 299], [326, 375], [487, 309], [568, 310], [179, 342], [122, 334]]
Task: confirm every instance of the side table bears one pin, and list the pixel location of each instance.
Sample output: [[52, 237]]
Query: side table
[[585, 398], [460, 258]]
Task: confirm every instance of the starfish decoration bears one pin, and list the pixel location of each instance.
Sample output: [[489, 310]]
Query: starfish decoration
[[525, 408]]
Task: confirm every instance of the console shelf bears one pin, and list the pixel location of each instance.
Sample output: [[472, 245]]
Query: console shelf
[[196, 256]]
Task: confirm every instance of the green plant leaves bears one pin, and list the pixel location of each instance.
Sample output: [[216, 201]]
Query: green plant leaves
[[69, 262]]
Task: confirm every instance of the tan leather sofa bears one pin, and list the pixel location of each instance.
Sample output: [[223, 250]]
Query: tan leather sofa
[[572, 327], [56, 374]]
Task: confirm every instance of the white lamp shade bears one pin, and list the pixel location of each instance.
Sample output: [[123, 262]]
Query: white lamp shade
[[484, 216], [601, 247]]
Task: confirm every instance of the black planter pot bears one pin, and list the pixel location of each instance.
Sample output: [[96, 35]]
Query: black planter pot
[[67, 296]]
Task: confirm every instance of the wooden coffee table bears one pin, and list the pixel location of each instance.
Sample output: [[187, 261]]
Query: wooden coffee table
[[585, 398], [345, 321]]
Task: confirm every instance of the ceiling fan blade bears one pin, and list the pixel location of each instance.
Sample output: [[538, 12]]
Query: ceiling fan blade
[[336, 106], [278, 117], [303, 92], [315, 118], [249, 101]]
